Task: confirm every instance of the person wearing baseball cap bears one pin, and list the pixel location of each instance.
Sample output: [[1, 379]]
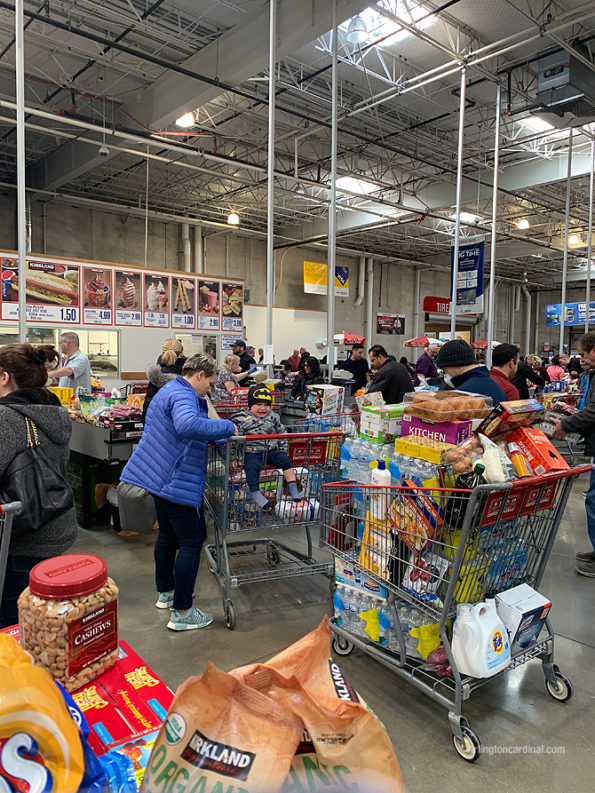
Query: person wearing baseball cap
[[239, 349], [461, 371], [259, 419]]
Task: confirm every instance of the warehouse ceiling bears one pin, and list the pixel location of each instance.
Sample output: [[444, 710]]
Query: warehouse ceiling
[[105, 82]]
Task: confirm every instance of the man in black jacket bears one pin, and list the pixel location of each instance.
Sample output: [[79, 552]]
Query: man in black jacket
[[584, 423], [358, 366], [523, 373], [391, 377]]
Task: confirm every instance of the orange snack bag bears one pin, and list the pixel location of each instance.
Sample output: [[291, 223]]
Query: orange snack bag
[[40, 747]]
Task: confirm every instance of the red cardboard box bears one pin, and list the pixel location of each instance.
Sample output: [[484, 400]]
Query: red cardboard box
[[508, 416], [538, 450], [126, 702]]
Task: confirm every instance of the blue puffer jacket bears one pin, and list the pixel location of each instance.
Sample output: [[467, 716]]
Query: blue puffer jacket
[[171, 458]]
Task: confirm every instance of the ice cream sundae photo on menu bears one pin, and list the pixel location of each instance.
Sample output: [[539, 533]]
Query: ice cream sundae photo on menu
[[97, 288]]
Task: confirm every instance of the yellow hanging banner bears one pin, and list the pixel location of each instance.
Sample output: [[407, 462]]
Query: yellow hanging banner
[[316, 281]]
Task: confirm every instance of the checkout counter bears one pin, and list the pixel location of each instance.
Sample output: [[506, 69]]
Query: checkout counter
[[97, 454]]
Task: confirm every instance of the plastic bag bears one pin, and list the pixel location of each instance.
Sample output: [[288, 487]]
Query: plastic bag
[[40, 744], [221, 734], [344, 746]]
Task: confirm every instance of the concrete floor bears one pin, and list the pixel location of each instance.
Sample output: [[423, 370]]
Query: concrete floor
[[513, 710]]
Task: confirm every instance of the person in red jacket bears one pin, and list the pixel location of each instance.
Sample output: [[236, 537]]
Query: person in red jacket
[[505, 361]]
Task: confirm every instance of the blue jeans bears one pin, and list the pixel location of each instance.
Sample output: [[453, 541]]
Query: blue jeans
[[182, 531], [590, 508], [17, 579], [254, 463]]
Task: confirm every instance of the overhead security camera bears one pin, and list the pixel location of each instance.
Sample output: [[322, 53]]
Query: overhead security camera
[[103, 150]]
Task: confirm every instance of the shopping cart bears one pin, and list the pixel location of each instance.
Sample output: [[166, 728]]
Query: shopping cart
[[227, 408], [7, 513], [435, 549], [348, 422], [315, 457]]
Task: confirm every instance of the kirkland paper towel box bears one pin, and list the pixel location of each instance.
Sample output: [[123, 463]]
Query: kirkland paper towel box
[[523, 611], [381, 423], [324, 399]]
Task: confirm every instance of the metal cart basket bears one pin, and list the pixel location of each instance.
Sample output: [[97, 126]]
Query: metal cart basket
[[315, 457], [7, 513], [427, 551]]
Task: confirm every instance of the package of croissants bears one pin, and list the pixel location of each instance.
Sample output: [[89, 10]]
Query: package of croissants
[[447, 405]]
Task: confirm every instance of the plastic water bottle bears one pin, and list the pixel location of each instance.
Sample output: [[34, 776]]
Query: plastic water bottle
[[356, 625], [387, 626], [341, 605]]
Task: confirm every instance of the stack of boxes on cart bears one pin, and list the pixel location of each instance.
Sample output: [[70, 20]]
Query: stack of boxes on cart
[[460, 536]]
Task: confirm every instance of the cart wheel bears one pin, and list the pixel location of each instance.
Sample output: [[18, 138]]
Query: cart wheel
[[468, 746], [561, 690], [273, 556], [341, 646], [230, 615]]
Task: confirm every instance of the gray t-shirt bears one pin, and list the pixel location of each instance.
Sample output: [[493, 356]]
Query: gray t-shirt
[[79, 363]]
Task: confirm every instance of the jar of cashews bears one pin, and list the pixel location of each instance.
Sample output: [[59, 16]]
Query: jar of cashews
[[68, 618]]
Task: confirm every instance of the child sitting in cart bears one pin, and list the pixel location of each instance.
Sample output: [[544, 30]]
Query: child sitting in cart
[[259, 419]]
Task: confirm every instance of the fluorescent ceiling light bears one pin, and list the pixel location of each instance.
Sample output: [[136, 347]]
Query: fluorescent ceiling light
[[379, 26], [523, 224], [466, 217], [186, 121], [356, 185], [536, 124], [233, 219]]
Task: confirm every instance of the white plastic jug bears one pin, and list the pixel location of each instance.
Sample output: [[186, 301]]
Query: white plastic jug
[[380, 499], [479, 640]]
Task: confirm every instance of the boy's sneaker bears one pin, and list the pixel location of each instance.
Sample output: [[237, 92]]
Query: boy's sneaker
[[587, 556], [195, 618], [165, 600]]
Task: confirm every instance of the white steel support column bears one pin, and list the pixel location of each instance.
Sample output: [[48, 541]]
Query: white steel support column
[[565, 259], [271, 177], [455, 266], [369, 301], [493, 245], [186, 247], [536, 339], [332, 210], [198, 263], [19, 36], [589, 238]]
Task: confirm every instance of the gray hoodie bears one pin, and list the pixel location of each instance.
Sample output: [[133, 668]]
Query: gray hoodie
[[54, 427]]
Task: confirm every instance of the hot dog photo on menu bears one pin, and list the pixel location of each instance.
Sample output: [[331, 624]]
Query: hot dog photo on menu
[[46, 283]]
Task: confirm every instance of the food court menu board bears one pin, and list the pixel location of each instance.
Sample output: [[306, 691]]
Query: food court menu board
[[97, 296], [51, 291], [183, 313], [232, 307], [209, 305], [156, 301], [129, 295], [61, 292]]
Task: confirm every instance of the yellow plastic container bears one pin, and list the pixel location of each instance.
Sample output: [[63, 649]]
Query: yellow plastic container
[[63, 394], [472, 582]]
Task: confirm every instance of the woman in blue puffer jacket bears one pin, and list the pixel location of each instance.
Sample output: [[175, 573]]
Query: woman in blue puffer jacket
[[171, 463]]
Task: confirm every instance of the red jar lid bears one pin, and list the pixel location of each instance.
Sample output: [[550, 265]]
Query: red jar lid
[[72, 575]]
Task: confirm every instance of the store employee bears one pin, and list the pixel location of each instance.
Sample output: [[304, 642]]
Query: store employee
[[76, 371]]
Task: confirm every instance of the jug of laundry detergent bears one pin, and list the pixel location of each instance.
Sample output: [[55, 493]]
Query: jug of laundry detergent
[[480, 643]]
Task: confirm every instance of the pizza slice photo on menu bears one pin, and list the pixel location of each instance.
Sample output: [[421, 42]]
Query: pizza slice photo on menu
[[46, 288]]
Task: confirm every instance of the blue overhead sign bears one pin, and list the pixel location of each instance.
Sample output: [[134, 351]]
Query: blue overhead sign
[[574, 314]]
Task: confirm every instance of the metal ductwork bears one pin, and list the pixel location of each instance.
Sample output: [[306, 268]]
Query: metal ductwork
[[566, 85], [462, 321]]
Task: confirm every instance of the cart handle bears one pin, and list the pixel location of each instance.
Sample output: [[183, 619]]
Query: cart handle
[[292, 435], [552, 476], [14, 506]]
